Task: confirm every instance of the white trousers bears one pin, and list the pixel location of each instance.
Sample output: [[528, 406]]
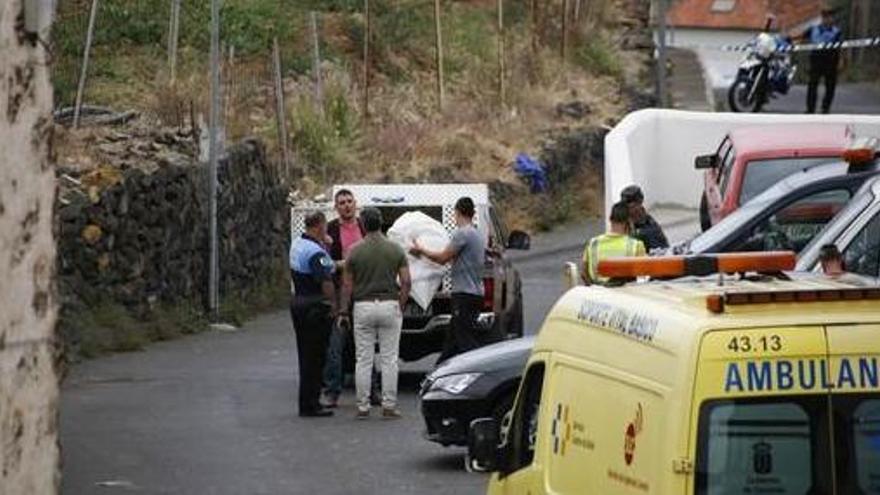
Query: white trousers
[[377, 321]]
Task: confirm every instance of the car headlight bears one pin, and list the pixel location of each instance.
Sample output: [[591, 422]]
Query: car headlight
[[765, 45], [455, 384]]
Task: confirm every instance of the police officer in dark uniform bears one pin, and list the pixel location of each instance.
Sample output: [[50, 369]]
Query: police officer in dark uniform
[[823, 63], [313, 309], [645, 228]]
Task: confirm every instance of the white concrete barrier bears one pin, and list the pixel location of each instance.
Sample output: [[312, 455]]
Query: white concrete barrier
[[655, 149]]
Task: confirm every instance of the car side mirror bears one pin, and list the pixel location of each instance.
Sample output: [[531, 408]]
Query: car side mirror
[[706, 161], [570, 275], [519, 240], [484, 451]]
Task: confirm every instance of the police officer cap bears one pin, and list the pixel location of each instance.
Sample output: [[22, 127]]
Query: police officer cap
[[632, 194]]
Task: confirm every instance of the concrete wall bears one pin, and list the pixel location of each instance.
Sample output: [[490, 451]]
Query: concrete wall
[[656, 149], [28, 381]]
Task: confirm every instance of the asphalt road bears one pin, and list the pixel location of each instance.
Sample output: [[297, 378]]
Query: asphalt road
[[861, 98], [215, 414]]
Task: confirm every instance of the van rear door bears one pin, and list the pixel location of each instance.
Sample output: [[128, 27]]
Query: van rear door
[[854, 354]]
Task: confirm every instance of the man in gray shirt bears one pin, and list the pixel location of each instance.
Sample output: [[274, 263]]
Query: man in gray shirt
[[467, 252]]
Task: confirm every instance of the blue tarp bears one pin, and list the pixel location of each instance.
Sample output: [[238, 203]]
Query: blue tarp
[[531, 171]]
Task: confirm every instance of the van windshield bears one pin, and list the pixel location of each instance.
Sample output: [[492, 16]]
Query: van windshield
[[761, 174], [785, 445]]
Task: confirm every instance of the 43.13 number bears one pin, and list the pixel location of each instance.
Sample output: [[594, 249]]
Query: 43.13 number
[[764, 343]]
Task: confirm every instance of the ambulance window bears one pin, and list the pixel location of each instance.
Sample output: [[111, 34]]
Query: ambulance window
[[862, 256], [858, 449], [763, 446], [524, 429]]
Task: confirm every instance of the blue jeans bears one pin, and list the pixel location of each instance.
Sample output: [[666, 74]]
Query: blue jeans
[[333, 365]]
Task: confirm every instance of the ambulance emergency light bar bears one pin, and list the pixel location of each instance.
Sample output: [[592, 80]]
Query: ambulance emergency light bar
[[697, 265], [717, 302]]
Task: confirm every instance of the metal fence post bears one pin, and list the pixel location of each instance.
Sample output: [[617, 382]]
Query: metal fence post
[[439, 42], [661, 54], [280, 112], [366, 102], [213, 157], [81, 87], [173, 37], [501, 82], [319, 92], [564, 45]]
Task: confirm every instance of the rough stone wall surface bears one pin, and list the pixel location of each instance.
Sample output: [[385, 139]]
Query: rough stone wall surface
[[28, 380], [138, 238]]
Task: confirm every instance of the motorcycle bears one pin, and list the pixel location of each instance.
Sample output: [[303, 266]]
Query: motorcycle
[[765, 72]]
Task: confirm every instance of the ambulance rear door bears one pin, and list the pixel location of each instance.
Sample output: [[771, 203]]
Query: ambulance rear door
[[760, 420], [855, 403]]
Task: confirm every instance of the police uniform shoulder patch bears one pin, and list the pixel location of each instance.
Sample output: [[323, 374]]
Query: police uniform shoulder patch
[[326, 263]]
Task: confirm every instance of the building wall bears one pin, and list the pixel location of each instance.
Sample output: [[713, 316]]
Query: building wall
[[719, 66], [28, 381]]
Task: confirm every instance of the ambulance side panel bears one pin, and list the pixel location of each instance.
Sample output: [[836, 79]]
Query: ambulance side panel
[[616, 411], [606, 430]]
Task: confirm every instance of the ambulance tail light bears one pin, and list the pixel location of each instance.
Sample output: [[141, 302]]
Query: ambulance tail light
[[862, 151], [716, 303], [699, 265]]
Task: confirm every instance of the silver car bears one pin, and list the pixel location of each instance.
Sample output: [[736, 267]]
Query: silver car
[[855, 231]]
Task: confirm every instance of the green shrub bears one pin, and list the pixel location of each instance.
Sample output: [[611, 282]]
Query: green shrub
[[101, 329], [598, 56], [325, 141]]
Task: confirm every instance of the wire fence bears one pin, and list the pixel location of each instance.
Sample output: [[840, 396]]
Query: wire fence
[[308, 77], [153, 56]]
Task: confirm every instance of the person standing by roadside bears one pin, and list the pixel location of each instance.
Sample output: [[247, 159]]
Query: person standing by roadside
[[313, 308], [645, 228], [467, 252], [615, 243], [377, 279], [823, 63], [345, 231]]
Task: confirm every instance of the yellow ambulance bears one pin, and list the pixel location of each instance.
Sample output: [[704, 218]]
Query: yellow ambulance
[[763, 382]]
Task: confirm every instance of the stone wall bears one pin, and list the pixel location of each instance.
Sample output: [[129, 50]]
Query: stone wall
[[28, 379], [138, 236]]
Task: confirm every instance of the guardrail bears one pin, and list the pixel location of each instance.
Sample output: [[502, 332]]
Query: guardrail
[[655, 148]]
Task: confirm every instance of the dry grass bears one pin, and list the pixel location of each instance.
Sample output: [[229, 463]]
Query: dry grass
[[406, 138]]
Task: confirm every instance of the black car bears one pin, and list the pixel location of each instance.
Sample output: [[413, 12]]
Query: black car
[[788, 215], [477, 384]]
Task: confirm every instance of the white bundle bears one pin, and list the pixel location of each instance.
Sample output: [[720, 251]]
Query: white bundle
[[426, 275]]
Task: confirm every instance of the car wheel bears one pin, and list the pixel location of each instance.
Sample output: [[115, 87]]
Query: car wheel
[[502, 405], [515, 323], [705, 219], [738, 95]]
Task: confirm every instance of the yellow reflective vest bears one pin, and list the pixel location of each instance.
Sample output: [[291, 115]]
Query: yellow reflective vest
[[609, 246]]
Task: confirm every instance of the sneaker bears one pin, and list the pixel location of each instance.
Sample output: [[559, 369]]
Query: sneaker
[[316, 413], [330, 401], [391, 413], [362, 413]]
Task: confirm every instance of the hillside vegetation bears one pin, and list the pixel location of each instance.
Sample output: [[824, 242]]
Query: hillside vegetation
[[405, 136]]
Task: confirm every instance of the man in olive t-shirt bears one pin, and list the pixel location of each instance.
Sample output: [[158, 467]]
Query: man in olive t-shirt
[[377, 278]]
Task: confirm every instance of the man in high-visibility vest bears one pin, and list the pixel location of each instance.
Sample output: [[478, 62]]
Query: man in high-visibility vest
[[614, 243]]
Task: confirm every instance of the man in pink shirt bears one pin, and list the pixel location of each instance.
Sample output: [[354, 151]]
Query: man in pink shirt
[[345, 231]]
